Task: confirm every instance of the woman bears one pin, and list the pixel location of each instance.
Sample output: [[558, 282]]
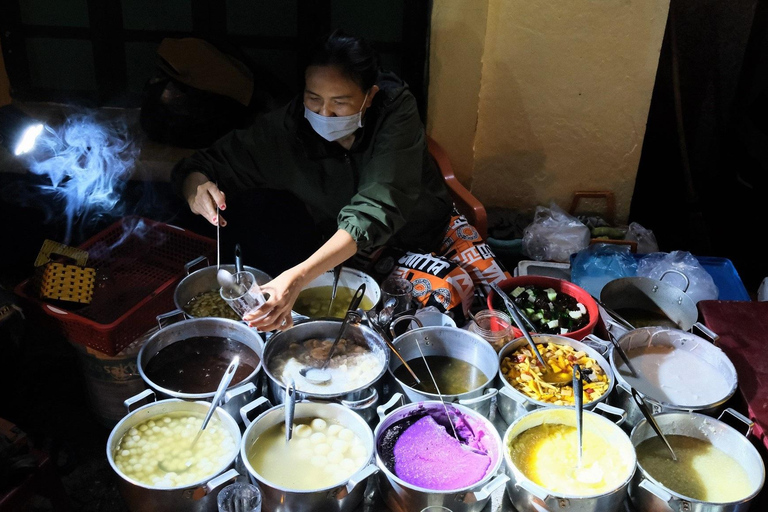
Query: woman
[[352, 148]]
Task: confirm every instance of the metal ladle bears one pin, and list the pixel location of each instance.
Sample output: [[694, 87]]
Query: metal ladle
[[321, 375], [547, 375], [290, 407], [578, 400], [175, 465], [640, 401], [386, 337], [336, 275]]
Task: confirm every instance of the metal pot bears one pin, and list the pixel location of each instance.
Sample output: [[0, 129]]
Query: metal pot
[[400, 496], [341, 497], [680, 340], [239, 393], [527, 495], [204, 279], [364, 399], [197, 497], [451, 342], [650, 495], [514, 404], [352, 279]]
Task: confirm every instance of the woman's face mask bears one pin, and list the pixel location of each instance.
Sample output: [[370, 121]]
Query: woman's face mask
[[335, 127]]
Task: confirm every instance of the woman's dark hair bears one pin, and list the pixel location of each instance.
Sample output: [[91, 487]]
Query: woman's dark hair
[[352, 55]]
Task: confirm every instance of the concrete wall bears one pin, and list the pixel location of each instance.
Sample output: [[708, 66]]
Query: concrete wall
[[563, 100]]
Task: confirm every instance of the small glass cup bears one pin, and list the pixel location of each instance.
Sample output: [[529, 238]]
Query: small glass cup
[[239, 497], [493, 326], [245, 296], [397, 293]]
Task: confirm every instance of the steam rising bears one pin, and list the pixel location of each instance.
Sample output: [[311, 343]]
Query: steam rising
[[88, 163]]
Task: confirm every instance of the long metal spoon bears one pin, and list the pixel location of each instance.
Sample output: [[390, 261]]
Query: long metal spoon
[[640, 401], [621, 352], [547, 375], [290, 406], [578, 399], [620, 319], [336, 275], [226, 379], [385, 336], [321, 375]]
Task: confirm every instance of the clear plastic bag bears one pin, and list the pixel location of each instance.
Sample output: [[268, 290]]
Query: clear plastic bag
[[646, 240], [701, 286], [554, 235], [594, 266]]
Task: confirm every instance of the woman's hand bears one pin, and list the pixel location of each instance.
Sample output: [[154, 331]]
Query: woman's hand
[[203, 196], [276, 312]]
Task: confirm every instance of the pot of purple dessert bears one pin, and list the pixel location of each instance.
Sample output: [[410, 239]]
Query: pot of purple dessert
[[432, 454]]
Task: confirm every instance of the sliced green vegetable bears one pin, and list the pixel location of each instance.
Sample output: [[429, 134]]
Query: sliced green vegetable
[[574, 314], [517, 291]]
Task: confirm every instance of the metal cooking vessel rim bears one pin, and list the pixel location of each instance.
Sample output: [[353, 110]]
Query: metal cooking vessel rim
[[219, 411], [189, 278], [511, 465], [594, 354], [697, 416], [260, 477], [280, 383], [490, 474], [620, 382], [194, 396]]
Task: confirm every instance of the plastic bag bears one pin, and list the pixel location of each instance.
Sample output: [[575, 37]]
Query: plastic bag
[[701, 285], [646, 240], [554, 235], [594, 266]]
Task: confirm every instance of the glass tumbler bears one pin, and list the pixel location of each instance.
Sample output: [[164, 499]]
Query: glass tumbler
[[245, 295], [239, 497], [493, 326]]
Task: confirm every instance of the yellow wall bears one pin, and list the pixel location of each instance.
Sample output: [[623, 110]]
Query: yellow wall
[[5, 86], [564, 94]]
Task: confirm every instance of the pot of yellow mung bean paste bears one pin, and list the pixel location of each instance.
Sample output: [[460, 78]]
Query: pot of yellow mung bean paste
[[197, 295], [522, 389], [151, 451]]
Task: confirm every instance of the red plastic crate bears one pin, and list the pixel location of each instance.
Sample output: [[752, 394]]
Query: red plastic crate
[[138, 264]]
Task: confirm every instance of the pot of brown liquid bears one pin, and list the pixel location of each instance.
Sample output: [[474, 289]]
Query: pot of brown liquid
[[186, 360]]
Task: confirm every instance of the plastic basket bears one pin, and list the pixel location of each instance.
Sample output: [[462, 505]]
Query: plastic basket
[[138, 263]]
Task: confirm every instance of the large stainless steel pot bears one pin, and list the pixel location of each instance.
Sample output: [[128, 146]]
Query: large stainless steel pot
[[451, 342], [364, 399], [680, 340], [197, 497], [341, 497], [239, 393], [514, 404], [400, 496], [650, 495], [204, 279], [527, 495]]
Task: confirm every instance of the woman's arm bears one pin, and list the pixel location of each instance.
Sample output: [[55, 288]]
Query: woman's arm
[[285, 288]]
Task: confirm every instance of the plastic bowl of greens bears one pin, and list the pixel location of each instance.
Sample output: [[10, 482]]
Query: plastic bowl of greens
[[554, 306]]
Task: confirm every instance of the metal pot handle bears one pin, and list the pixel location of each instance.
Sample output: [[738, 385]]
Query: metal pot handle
[[489, 393], [401, 318], [602, 346], [748, 422], [190, 264], [657, 491], [485, 493], [705, 332], [508, 393], [161, 319], [357, 479], [259, 402], [130, 402], [363, 402], [382, 410], [223, 479], [612, 411], [238, 391], [687, 281], [529, 487]]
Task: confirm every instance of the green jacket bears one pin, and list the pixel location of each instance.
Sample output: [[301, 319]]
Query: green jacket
[[384, 190]]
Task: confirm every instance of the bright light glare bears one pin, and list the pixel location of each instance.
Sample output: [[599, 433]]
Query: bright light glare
[[28, 139]]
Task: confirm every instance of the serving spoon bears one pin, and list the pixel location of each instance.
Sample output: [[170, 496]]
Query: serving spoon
[[174, 464], [336, 275], [547, 375], [321, 375], [640, 401]]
